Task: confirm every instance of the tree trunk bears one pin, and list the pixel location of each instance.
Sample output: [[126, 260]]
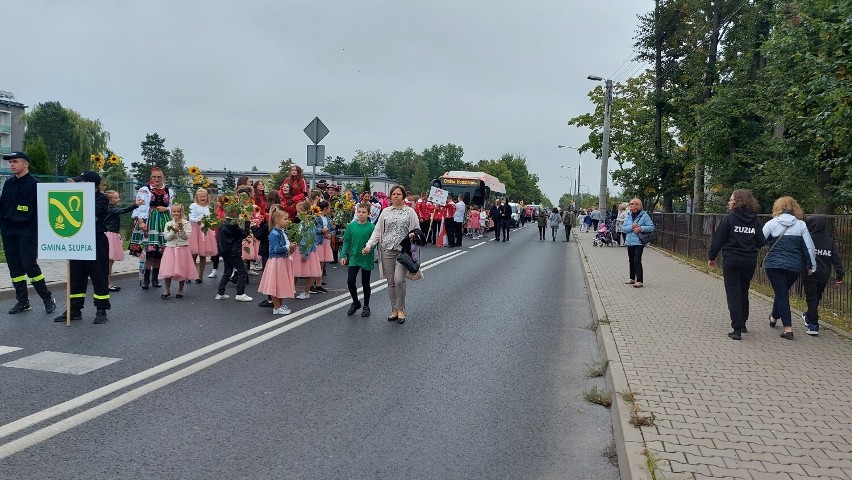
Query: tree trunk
[[709, 81]]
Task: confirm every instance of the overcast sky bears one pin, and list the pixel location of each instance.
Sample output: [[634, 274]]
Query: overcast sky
[[234, 83]]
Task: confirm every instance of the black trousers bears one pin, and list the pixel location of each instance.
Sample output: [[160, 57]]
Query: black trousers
[[233, 262], [595, 224], [507, 224], [21, 248], [96, 270], [567, 232], [450, 227], [459, 235], [813, 287], [738, 273], [634, 256], [352, 275], [541, 230], [498, 227], [433, 232]]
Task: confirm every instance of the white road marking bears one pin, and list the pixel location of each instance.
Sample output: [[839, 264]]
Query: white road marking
[[66, 424], [4, 349], [59, 362], [64, 407], [474, 246]]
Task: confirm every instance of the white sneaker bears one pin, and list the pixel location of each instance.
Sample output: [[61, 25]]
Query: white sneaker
[[243, 298], [212, 274], [252, 272], [222, 297], [281, 311], [303, 296]]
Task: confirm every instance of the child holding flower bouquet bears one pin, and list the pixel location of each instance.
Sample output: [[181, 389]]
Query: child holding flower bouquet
[[230, 237], [202, 240], [307, 264], [324, 234], [177, 262]]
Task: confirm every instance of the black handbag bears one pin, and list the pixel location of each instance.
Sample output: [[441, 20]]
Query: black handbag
[[408, 262], [647, 237]]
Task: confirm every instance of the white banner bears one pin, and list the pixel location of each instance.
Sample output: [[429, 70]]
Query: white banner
[[66, 221], [438, 196]]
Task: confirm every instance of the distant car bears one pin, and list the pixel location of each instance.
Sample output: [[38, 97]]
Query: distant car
[[516, 215]]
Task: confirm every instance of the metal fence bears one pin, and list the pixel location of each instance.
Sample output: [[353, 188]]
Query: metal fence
[[690, 235]]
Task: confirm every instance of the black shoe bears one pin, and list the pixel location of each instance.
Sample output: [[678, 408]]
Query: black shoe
[[735, 335], [49, 305], [20, 307], [198, 280], [113, 288], [265, 303], [400, 320], [392, 319], [319, 289], [353, 308], [74, 316], [155, 283], [744, 330], [772, 321], [787, 335], [100, 317], [365, 312]]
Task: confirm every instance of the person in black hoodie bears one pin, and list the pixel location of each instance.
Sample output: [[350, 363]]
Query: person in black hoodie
[[230, 242], [496, 214], [827, 254], [738, 237]]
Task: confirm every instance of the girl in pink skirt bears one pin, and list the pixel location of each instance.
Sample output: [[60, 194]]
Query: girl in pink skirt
[[306, 261], [177, 261], [112, 223], [473, 222], [201, 244], [278, 280]]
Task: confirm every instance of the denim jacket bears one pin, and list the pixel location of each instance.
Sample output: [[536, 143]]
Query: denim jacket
[[279, 244], [321, 222]]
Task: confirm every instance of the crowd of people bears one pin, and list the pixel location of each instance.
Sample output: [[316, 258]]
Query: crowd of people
[[291, 234]]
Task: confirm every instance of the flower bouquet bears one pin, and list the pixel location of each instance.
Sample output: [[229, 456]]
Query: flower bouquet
[[302, 232], [342, 208], [209, 222]]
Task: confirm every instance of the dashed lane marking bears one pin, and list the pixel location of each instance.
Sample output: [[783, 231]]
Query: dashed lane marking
[[4, 349], [59, 362]]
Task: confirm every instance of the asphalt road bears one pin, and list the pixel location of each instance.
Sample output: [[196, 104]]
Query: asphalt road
[[484, 380]]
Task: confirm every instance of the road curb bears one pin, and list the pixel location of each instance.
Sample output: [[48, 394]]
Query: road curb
[[629, 443], [9, 293]]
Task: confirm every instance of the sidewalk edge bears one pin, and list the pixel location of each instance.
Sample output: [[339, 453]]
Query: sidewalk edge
[[629, 442]]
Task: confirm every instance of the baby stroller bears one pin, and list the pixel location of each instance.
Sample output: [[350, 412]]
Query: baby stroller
[[603, 238]]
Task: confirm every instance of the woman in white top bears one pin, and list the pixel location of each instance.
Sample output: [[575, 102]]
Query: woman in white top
[[201, 244], [395, 225]]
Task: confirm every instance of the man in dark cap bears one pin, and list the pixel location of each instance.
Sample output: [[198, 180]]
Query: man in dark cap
[[19, 230], [98, 269]]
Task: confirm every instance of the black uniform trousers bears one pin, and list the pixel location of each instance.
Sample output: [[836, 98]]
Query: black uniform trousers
[[21, 248], [233, 261], [498, 227], [737, 273], [98, 269]]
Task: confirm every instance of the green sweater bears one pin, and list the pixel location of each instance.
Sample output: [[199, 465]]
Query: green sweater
[[354, 240]]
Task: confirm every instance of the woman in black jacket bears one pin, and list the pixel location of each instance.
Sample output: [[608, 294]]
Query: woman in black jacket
[[738, 237]]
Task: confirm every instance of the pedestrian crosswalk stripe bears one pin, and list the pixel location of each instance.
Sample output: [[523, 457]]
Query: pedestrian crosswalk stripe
[[4, 349], [59, 362]]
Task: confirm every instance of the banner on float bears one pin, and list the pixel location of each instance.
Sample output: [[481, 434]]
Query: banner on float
[[66, 221]]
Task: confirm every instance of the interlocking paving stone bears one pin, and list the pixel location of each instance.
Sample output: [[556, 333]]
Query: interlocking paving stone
[[726, 406], [59, 362]]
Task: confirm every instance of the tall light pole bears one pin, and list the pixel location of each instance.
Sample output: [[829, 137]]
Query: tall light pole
[[579, 167], [605, 144], [571, 188]]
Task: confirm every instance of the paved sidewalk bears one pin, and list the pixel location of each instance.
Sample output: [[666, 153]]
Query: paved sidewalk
[[760, 408], [54, 273]]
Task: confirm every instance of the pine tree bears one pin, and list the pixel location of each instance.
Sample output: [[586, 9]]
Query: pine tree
[[73, 167], [229, 183], [39, 159], [366, 187]]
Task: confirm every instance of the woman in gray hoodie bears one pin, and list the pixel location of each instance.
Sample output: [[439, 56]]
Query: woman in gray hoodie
[[791, 251]]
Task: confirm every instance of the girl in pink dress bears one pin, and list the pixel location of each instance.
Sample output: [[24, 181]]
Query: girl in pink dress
[[177, 261], [278, 280], [201, 245], [473, 222]]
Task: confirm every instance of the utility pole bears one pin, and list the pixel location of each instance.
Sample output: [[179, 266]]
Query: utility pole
[[602, 194]]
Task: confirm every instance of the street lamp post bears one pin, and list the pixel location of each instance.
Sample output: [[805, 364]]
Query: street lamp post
[[571, 188], [605, 143], [579, 168]]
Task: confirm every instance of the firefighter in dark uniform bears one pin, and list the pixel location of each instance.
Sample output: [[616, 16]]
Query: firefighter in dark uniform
[[82, 270], [19, 230]]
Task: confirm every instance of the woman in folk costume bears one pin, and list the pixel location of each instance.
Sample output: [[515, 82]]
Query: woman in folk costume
[[151, 218]]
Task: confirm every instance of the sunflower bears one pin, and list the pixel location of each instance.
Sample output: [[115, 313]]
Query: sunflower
[[226, 200], [206, 184], [93, 158], [100, 164], [193, 170], [198, 179], [114, 159], [316, 210], [100, 158]]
